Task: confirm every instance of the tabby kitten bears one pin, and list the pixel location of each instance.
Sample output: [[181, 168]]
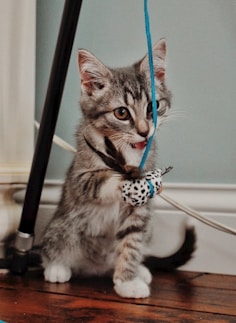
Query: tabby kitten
[[94, 232]]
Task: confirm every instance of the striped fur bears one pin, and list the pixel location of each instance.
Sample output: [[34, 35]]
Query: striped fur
[[93, 231]]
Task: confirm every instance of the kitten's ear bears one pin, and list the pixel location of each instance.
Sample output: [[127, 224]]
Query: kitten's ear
[[159, 58], [94, 75]]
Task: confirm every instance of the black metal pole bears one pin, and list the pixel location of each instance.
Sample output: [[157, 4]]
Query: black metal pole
[[24, 238]]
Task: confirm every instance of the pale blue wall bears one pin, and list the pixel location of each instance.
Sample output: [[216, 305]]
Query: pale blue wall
[[199, 140]]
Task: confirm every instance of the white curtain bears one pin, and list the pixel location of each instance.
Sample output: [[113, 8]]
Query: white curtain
[[17, 88]]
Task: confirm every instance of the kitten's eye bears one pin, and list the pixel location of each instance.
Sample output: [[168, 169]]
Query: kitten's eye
[[149, 108], [122, 113]]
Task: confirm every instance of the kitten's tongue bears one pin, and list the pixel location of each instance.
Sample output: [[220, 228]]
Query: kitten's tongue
[[139, 145]]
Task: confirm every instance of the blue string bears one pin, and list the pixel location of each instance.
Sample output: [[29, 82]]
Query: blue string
[[151, 188], [151, 67]]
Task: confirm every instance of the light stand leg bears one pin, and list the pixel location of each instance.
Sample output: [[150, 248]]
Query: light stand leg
[[24, 238]]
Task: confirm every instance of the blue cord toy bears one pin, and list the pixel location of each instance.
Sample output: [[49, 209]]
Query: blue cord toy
[[137, 192], [153, 88]]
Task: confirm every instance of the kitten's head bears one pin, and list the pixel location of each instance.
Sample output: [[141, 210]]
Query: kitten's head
[[117, 102]]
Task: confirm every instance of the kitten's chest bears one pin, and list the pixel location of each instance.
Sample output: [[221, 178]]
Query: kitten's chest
[[104, 220]]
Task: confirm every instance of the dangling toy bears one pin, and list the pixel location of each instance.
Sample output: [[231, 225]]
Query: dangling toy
[[137, 191]]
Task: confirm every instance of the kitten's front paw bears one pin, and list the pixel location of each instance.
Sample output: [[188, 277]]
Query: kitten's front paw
[[57, 273], [135, 288], [144, 274]]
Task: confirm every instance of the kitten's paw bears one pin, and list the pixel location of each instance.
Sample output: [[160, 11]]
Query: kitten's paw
[[57, 273], [135, 288], [144, 274]]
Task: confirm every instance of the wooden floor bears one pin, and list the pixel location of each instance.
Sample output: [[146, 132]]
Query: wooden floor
[[176, 297]]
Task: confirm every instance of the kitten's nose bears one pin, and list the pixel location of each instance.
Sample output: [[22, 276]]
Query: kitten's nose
[[143, 133], [142, 128]]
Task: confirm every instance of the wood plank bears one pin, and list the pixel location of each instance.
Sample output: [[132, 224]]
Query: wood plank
[[216, 281], [99, 285], [171, 290], [22, 307]]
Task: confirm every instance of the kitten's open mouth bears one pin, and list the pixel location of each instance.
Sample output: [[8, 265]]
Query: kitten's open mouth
[[139, 145]]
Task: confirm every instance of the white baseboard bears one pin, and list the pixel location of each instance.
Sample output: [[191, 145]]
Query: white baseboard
[[10, 213], [216, 251]]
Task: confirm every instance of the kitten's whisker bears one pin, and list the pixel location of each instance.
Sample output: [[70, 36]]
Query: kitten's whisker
[[171, 115], [122, 141]]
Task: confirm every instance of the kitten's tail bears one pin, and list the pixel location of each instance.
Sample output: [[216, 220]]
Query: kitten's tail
[[179, 258]]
